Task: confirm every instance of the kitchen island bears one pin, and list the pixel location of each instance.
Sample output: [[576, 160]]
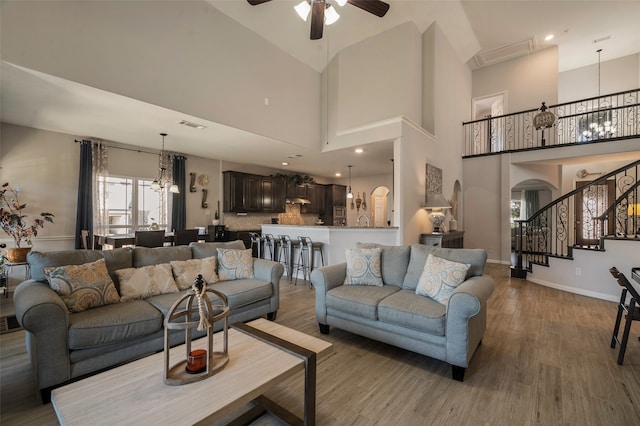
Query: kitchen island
[[336, 239]]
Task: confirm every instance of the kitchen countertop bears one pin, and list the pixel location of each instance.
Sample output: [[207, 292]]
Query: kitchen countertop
[[335, 227]]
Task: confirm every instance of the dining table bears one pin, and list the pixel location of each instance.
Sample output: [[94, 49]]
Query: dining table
[[121, 240]]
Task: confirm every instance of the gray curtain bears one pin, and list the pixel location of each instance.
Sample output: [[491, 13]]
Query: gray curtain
[[179, 204], [531, 203], [84, 213]]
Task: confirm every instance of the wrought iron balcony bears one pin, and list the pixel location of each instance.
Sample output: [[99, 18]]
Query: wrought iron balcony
[[605, 118]]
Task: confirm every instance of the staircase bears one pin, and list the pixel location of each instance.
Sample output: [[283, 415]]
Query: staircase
[[605, 208]]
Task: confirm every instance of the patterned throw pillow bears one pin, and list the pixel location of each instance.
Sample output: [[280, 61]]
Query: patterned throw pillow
[[440, 277], [140, 283], [83, 286], [363, 267], [234, 264], [186, 271]]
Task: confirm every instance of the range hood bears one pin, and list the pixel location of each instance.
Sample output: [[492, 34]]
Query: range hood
[[297, 200]]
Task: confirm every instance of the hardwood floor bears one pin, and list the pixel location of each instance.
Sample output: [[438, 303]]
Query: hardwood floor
[[545, 359]]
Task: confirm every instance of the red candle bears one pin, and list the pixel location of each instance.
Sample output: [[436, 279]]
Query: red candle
[[197, 360]]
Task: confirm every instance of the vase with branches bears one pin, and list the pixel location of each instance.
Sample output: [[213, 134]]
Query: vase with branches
[[13, 219]]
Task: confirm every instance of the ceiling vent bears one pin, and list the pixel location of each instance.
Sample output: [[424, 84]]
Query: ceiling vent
[[192, 124], [504, 53]]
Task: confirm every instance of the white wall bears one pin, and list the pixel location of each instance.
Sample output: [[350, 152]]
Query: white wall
[[528, 80], [175, 54], [616, 75]]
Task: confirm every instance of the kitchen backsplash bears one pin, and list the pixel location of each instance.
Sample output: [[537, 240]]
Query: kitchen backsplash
[[252, 221]]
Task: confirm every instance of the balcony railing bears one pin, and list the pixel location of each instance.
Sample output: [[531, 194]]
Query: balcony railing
[[611, 117], [608, 207]]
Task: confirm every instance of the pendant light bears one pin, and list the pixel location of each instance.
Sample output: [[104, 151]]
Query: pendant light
[[163, 181], [349, 193], [600, 126]]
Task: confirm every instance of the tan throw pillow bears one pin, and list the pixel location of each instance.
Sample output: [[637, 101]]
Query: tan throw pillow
[[440, 277], [363, 267], [140, 283], [83, 286], [186, 271], [234, 264]]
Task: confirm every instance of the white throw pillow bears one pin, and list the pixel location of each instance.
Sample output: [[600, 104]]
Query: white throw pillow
[[234, 264], [440, 277], [140, 283], [186, 271], [363, 267]]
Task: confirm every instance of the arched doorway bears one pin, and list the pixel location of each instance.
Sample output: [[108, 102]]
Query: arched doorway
[[380, 206]]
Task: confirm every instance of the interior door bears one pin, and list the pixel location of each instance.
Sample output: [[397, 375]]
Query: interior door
[[590, 204]]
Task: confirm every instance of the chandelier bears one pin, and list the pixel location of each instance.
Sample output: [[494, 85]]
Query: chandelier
[[600, 124], [162, 181], [330, 15]]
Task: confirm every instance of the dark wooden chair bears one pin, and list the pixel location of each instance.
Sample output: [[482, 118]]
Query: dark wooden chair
[[182, 237], [149, 238], [632, 310]]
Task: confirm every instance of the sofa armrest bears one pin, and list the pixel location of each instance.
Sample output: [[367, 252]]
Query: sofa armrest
[[323, 280], [467, 318], [267, 270], [44, 315]]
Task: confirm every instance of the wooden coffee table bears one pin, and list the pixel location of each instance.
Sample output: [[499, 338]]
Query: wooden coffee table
[[261, 355]]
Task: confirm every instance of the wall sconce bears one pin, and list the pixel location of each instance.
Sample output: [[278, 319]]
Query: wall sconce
[[436, 204], [358, 203]]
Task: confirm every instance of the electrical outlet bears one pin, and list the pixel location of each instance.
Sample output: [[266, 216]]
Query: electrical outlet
[[578, 272]]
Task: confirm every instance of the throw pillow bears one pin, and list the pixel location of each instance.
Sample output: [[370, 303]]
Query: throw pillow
[[186, 271], [83, 286], [234, 264], [140, 283], [363, 267], [440, 278]]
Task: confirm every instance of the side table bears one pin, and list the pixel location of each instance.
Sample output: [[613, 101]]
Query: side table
[[6, 270], [454, 239]]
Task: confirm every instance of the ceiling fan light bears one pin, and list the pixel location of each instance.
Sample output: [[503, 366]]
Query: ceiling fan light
[[303, 9], [341, 2], [330, 15]]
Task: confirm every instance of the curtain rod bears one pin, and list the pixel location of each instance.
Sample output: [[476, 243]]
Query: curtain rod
[[131, 149]]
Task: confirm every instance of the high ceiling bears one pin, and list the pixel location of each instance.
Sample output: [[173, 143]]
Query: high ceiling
[[481, 32]]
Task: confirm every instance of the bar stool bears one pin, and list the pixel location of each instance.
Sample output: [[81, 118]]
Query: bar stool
[[285, 247], [632, 310], [256, 240], [270, 245], [305, 257]]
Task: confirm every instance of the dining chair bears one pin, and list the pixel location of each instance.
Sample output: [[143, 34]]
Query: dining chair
[[149, 238], [182, 237]]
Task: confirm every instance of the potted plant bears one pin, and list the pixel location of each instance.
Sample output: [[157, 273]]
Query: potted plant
[[13, 222], [216, 218]]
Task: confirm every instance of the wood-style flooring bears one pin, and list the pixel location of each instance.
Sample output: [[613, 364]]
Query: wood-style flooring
[[545, 360]]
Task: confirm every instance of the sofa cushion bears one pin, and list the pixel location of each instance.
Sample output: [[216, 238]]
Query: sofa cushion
[[202, 250], [82, 287], [477, 258], [234, 264], [440, 277], [394, 261], [363, 267], [406, 309], [145, 256], [244, 292], [140, 283], [359, 300], [38, 261], [186, 271], [113, 323]]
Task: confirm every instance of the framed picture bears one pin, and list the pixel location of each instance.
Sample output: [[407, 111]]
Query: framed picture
[[433, 181]]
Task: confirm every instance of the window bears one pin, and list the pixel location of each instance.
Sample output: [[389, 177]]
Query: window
[[133, 205], [516, 206]]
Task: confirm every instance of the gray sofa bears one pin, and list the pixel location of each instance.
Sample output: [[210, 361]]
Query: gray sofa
[[395, 314], [64, 346]]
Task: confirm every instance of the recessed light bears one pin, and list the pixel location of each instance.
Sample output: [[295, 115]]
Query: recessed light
[[294, 156], [338, 174], [549, 37], [284, 163], [359, 150]]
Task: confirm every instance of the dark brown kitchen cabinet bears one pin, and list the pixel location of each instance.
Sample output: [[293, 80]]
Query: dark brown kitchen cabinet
[[248, 193], [315, 194], [296, 191], [335, 196]]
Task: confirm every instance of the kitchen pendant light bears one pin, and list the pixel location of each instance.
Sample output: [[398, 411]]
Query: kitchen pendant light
[[163, 181], [349, 193]]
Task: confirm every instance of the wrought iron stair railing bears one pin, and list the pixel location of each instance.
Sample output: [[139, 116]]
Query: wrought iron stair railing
[[607, 207], [610, 117]]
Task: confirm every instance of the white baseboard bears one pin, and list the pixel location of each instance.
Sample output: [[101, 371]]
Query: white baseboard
[[499, 262], [574, 290]]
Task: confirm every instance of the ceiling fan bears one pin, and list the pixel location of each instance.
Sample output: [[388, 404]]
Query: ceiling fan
[[319, 7]]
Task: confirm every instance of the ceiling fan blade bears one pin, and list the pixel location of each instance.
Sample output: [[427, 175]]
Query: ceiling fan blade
[[257, 2], [317, 20], [377, 7]]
